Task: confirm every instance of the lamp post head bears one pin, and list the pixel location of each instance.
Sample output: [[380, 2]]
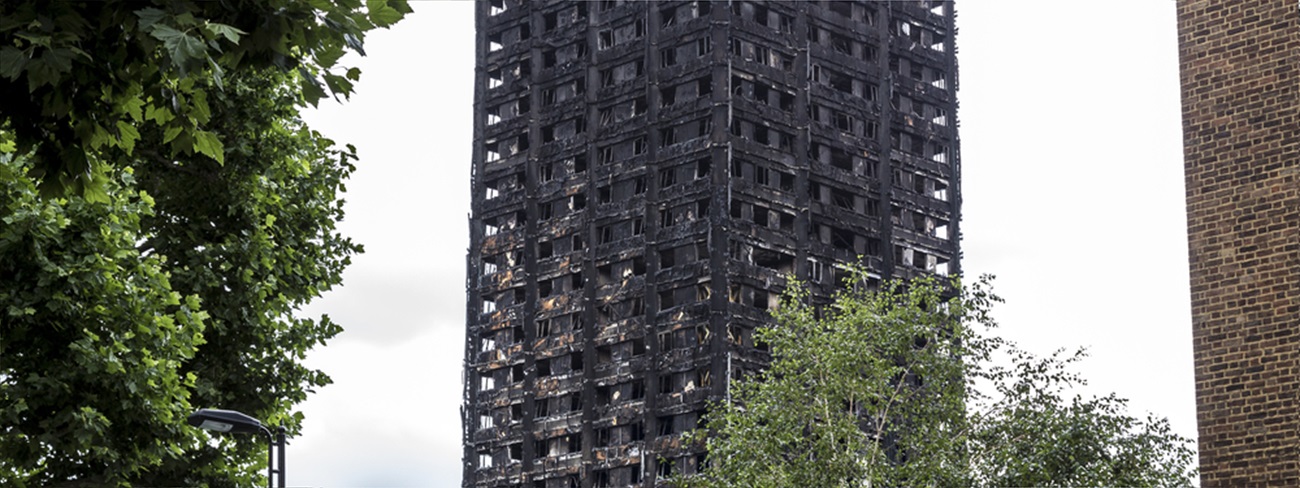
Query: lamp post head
[[225, 421]]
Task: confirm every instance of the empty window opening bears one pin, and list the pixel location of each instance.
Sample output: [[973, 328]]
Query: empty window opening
[[775, 260], [843, 199], [667, 57], [665, 424], [940, 190], [841, 44], [703, 45], [939, 153], [667, 136], [939, 79], [761, 300], [842, 239], [516, 373], [844, 122], [667, 177], [844, 9], [494, 42], [786, 101], [664, 467], [940, 117], [667, 96], [544, 325], [605, 39], [841, 159]]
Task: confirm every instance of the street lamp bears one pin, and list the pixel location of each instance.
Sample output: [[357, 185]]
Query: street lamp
[[239, 423]]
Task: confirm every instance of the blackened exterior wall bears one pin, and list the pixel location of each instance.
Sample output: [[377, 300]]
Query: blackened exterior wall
[[1240, 62], [645, 176]]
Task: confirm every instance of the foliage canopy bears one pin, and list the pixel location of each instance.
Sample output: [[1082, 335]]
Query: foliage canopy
[[163, 212], [887, 388], [82, 79]]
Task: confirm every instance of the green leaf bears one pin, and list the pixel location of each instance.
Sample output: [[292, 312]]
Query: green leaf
[[158, 114], [230, 33], [401, 6], [217, 74], [311, 88], [191, 49], [42, 40], [39, 73], [127, 135], [134, 107], [199, 103], [12, 61], [171, 132], [382, 14], [354, 74], [96, 190], [149, 16], [338, 84], [208, 144], [166, 33], [329, 55], [60, 59]]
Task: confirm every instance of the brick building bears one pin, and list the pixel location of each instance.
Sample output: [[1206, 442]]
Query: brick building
[[646, 175], [1240, 62]]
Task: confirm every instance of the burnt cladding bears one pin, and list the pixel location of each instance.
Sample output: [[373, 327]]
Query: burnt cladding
[[646, 176]]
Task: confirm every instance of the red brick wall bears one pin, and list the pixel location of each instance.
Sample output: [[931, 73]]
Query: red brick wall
[[1240, 62]]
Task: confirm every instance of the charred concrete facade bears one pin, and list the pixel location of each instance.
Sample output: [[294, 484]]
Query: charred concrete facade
[[1240, 63], [645, 177]]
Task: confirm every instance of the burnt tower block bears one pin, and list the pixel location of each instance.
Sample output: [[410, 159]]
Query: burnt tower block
[[645, 177]]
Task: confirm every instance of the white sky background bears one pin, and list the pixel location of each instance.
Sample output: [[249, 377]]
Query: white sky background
[[1073, 196]]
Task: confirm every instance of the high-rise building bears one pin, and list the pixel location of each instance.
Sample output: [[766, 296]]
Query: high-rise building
[[1240, 63], [646, 176]]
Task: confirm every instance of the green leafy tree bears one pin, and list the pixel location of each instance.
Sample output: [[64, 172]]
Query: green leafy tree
[[1029, 433], [882, 388], [82, 79], [92, 338], [246, 243], [215, 207], [254, 238]]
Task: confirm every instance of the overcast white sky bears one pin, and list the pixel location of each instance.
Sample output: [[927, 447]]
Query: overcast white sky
[[1071, 150]]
